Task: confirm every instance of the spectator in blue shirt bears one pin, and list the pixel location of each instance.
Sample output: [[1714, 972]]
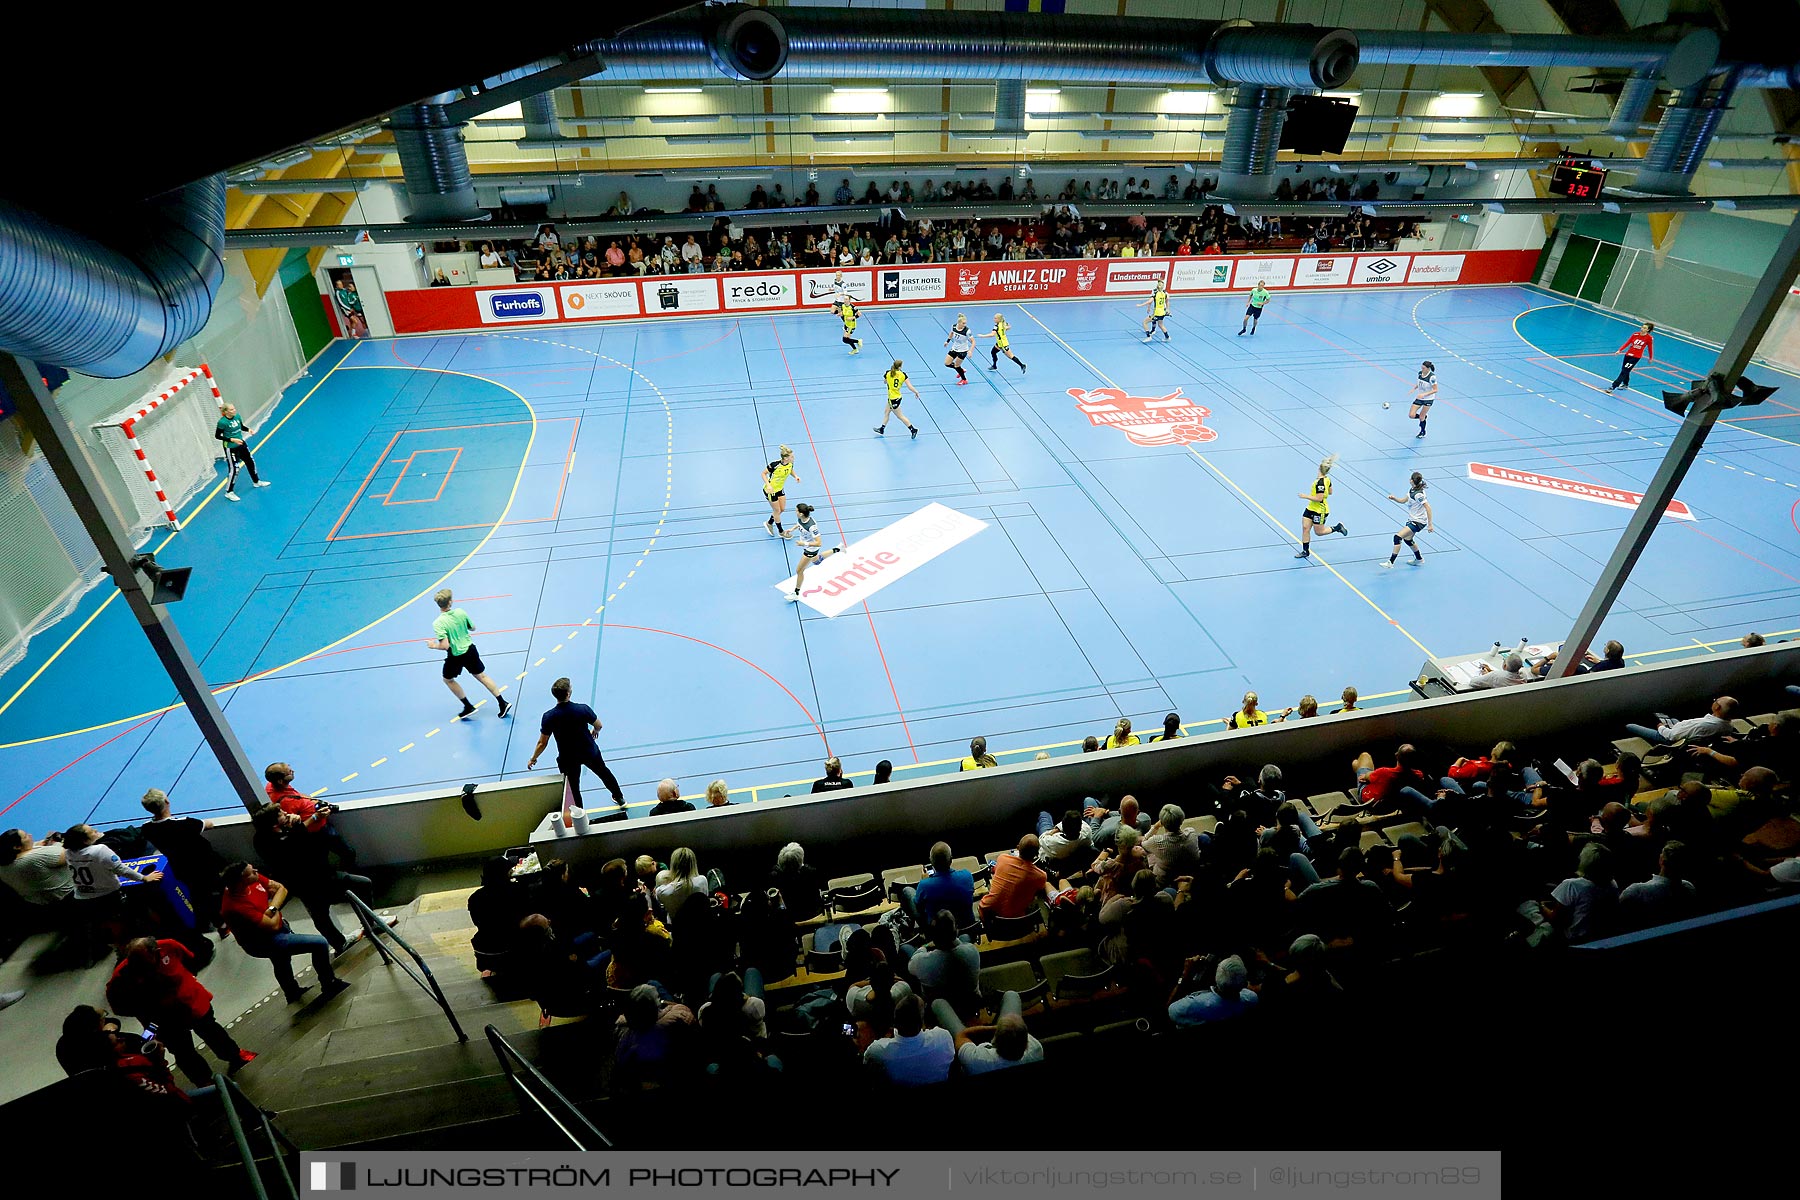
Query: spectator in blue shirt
[[843, 194], [1228, 997], [943, 889]]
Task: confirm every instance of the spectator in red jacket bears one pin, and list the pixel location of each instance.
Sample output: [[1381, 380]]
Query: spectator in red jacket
[[155, 984], [315, 814], [1402, 787]]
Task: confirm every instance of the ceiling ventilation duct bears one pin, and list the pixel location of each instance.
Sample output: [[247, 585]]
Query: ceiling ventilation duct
[[433, 164], [112, 309], [1687, 127]]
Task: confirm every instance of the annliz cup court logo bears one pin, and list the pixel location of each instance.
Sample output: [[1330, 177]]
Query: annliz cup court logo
[[1171, 420]]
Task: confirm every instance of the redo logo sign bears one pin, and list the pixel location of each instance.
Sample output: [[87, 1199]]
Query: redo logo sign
[[761, 291]]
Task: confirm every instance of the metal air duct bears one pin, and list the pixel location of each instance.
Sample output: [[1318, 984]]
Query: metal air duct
[[1252, 135], [539, 112], [112, 310], [1634, 100], [1683, 63], [845, 43], [433, 164], [1687, 127]]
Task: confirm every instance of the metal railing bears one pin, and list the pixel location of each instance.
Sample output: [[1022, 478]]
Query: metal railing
[[281, 1150], [374, 928], [531, 1085]]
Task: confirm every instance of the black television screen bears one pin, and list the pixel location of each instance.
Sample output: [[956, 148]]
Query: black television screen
[[1317, 125]]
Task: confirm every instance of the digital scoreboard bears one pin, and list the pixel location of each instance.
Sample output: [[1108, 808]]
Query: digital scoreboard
[[1577, 180]]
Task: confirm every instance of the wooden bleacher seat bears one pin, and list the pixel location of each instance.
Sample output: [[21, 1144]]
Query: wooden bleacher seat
[[1394, 833], [1204, 825], [1005, 977], [971, 864], [849, 881], [901, 877], [1065, 963], [1636, 745]]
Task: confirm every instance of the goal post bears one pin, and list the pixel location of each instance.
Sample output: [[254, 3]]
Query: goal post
[[163, 446]]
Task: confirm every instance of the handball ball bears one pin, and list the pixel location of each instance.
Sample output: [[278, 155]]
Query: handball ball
[[1384, 404]]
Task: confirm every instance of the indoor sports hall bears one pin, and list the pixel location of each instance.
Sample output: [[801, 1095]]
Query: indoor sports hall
[[592, 495], [714, 587]]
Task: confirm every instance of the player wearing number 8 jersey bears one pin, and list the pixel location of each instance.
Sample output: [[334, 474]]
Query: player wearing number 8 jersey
[[896, 379], [1318, 509]]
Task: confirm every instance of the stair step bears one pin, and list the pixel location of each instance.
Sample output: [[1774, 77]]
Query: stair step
[[403, 998], [396, 1114], [430, 1067], [430, 1029]]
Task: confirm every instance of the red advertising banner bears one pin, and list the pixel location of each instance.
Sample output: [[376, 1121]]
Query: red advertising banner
[[1532, 481], [428, 310]]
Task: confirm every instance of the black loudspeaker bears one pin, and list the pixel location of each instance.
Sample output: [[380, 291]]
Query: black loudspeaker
[[1317, 125], [167, 584]]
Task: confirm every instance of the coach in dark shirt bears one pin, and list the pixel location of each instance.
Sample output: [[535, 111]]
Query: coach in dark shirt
[[574, 726], [834, 780]]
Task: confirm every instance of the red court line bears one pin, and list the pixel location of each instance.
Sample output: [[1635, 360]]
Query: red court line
[[455, 453], [568, 465], [810, 718], [882, 654], [1692, 525], [334, 536], [345, 515], [74, 761]]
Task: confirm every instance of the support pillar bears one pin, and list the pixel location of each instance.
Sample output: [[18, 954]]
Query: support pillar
[[1684, 447], [69, 462]]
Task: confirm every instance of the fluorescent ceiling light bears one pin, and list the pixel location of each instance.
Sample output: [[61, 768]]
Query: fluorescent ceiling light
[[694, 138], [691, 119], [860, 91], [1459, 95], [853, 137], [1043, 91], [672, 91], [850, 116], [1187, 101], [1453, 137], [1131, 135]]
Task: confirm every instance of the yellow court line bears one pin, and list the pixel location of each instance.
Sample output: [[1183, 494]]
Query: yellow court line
[[1267, 515], [396, 610], [944, 762], [114, 594]]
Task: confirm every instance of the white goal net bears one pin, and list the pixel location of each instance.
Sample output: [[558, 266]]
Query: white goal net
[[163, 445]]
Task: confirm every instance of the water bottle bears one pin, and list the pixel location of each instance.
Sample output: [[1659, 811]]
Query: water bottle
[[1522, 644], [1496, 651]]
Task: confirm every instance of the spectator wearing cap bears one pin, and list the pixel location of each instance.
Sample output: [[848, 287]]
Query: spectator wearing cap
[[1063, 845], [1017, 882], [1228, 997], [833, 780]]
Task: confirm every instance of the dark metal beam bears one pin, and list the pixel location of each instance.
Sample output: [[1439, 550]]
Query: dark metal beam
[[62, 449], [573, 71], [1770, 292]]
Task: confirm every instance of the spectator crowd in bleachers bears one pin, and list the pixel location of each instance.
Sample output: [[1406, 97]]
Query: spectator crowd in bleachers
[[907, 234]]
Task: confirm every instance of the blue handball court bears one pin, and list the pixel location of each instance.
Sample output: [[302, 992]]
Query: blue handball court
[[593, 497]]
